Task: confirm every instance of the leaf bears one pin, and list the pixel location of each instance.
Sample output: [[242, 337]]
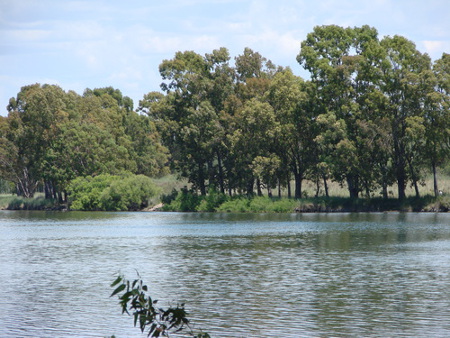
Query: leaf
[[117, 281], [119, 289]]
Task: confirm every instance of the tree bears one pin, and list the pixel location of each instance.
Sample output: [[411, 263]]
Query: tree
[[296, 147], [333, 55], [437, 119], [188, 116], [34, 120], [255, 135], [402, 67]]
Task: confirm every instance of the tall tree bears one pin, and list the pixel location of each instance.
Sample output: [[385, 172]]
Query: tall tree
[[296, 147], [333, 56], [402, 67], [35, 117]]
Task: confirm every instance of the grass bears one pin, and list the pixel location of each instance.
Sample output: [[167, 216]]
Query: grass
[[12, 202], [336, 190]]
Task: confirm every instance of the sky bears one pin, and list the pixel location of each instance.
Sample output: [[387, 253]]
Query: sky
[[79, 44]]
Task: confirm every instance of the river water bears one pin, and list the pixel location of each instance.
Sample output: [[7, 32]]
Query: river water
[[241, 275]]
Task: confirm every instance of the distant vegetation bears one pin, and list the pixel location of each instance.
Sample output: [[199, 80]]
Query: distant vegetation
[[111, 193], [374, 115]]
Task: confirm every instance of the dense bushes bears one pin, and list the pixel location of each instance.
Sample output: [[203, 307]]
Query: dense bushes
[[113, 193], [188, 200]]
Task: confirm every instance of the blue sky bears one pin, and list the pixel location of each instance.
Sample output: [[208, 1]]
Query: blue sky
[[80, 44]]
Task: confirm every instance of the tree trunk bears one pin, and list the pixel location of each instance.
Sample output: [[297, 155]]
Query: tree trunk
[[250, 187], [47, 190], [353, 186], [201, 179], [298, 177], [258, 187], [288, 178], [399, 159], [384, 190], [435, 182], [414, 178], [317, 187], [401, 185], [221, 179], [325, 185]]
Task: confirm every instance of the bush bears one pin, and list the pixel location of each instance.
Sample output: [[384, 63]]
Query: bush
[[130, 193], [235, 204], [111, 193], [167, 199], [258, 205], [85, 192], [186, 200], [22, 203], [212, 201]]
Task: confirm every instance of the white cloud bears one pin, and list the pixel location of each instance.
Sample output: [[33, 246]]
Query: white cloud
[[435, 48]]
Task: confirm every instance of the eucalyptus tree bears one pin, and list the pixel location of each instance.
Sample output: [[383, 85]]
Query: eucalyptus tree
[[402, 68], [197, 88], [333, 55], [296, 147], [34, 120], [437, 115], [253, 145]]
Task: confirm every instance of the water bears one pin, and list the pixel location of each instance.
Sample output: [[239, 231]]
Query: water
[[327, 275]]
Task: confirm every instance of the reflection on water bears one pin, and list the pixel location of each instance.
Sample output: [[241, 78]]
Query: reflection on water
[[241, 275]]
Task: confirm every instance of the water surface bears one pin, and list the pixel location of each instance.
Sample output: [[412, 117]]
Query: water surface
[[241, 275]]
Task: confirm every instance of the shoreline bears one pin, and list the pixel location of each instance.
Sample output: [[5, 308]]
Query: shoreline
[[304, 207]]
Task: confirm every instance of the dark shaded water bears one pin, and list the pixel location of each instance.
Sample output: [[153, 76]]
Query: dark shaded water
[[340, 275]]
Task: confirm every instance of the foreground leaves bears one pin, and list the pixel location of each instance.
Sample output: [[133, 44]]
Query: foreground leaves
[[158, 322]]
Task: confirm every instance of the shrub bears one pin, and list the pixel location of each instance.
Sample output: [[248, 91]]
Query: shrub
[[284, 205], [212, 201], [111, 193], [22, 203], [130, 193], [186, 200], [235, 204], [85, 192], [168, 198]]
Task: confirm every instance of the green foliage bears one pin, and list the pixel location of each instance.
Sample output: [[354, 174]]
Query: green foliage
[[22, 203], [51, 137], [259, 205], [212, 201], [186, 200], [85, 192], [157, 321], [169, 198], [130, 193], [235, 204], [112, 193]]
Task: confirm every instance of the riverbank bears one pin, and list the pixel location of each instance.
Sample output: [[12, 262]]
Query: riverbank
[[191, 203], [12, 202], [186, 201]]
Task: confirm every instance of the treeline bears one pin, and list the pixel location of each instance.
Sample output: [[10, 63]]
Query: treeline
[[375, 113]]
